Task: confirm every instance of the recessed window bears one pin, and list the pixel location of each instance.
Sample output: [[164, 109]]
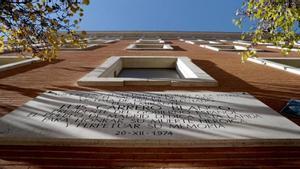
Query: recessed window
[[147, 70], [103, 40], [291, 65], [147, 41], [229, 48], [201, 42], [149, 47], [149, 73]]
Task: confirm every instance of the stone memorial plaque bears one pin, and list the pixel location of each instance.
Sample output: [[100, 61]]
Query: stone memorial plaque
[[146, 116]]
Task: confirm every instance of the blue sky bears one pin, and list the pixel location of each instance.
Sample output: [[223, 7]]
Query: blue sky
[[161, 15]]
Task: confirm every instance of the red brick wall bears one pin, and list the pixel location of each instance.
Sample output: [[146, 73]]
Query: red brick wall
[[271, 86]]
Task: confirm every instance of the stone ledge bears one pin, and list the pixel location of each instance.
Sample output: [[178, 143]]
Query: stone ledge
[[152, 143], [17, 64], [89, 47]]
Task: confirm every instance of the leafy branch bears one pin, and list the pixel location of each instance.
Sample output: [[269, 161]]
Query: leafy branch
[[272, 21], [40, 26]]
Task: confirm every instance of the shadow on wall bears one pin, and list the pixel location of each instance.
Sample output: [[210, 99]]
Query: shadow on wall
[[178, 48], [231, 83], [227, 83], [78, 69], [6, 108], [29, 92]]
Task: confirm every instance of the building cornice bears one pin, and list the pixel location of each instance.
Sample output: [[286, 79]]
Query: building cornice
[[166, 34]]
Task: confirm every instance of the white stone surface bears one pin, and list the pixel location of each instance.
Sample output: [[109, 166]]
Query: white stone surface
[[106, 74], [130, 116]]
